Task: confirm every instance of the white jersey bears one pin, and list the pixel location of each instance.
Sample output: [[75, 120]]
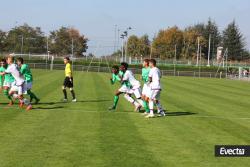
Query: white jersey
[[13, 70], [155, 74], [128, 76]]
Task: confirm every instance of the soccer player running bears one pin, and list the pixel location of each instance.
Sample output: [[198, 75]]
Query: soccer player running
[[68, 81], [2, 69], [155, 86], [18, 87], [6, 81], [117, 76], [135, 87], [146, 88], [26, 72]]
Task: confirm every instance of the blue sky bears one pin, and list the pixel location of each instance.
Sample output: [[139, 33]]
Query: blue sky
[[97, 18]]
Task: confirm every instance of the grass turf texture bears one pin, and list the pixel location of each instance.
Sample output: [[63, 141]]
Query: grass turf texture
[[202, 113]]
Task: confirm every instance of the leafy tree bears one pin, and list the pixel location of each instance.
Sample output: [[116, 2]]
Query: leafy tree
[[133, 45], [234, 41], [25, 39], [191, 35], [211, 29], [138, 46], [144, 46], [245, 55], [117, 53], [2, 40], [61, 42], [90, 55], [203, 31], [164, 44]]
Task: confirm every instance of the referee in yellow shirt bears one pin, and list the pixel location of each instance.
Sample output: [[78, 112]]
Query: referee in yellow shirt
[[68, 81]]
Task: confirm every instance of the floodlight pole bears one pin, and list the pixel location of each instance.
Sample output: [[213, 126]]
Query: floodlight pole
[[47, 57], [223, 62], [126, 46], [47, 45], [175, 59], [209, 48], [22, 46], [126, 50], [115, 38], [122, 48], [200, 62], [198, 52], [118, 39], [151, 49], [226, 54], [72, 48], [72, 53]]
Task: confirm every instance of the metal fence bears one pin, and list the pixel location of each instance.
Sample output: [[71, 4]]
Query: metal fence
[[132, 60], [135, 70]]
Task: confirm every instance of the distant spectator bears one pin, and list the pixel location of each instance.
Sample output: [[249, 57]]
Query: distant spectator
[[245, 73]]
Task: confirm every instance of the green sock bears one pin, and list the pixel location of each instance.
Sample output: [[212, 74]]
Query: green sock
[[116, 99], [32, 95], [145, 105], [6, 93]]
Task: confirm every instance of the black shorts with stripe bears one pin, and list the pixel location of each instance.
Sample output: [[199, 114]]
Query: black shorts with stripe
[[68, 82]]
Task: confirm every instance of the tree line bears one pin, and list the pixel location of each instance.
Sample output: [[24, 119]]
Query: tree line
[[174, 42], [171, 43], [25, 39]]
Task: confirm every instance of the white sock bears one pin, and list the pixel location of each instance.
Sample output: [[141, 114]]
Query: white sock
[[131, 100], [151, 107], [136, 104]]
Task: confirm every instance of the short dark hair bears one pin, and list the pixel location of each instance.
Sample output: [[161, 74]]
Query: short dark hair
[[153, 61], [115, 67], [146, 60], [67, 58], [125, 65], [3, 60], [20, 59]]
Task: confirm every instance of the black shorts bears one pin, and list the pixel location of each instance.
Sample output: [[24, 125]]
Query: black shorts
[[68, 82]]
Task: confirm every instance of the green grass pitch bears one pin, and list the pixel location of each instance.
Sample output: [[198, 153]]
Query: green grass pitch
[[202, 113]]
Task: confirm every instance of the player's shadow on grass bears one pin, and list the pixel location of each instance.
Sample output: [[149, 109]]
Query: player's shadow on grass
[[4, 104], [48, 108], [179, 113], [50, 103], [94, 101], [79, 101], [174, 114]]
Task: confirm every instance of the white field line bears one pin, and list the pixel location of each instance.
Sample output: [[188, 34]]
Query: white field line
[[126, 112], [219, 117]]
